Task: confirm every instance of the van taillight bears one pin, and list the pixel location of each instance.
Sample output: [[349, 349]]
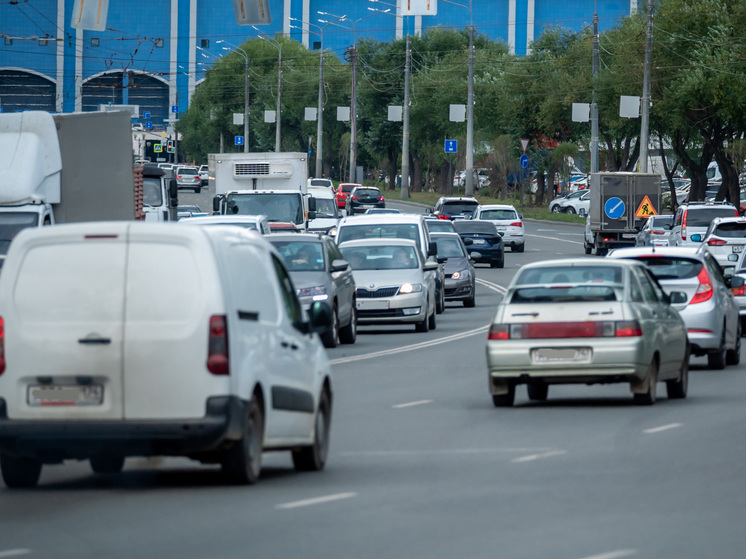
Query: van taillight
[[217, 349], [2, 345]]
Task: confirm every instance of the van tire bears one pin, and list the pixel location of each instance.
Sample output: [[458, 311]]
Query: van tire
[[313, 458], [242, 462], [107, 463], [20, 471], [348, 334]]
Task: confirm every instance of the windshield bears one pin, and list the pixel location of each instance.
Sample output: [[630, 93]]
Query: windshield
[[326, 207], [11, 224], [389, 231], [564, 294], [320, 182], [459, 207], [301, 256], [277, 207], [449, 248], [151, 192], [380, 257], [442, 226]]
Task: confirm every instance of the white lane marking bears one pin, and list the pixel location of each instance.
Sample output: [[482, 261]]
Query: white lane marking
[[315, 501], [532, 457], [492, 286], [556, 239], [662, 428], [411, 347], [613, 554], [410, 404], [14, 552], [449, 452]]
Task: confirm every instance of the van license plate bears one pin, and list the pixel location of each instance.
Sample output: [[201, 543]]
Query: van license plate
[[737, 248], [65, 395]]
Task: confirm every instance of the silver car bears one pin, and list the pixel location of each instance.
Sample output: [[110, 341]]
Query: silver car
[[655, 231], [320, 273], [395, 283], [188, 177], [586, 321], [709, 309], [726, 236]]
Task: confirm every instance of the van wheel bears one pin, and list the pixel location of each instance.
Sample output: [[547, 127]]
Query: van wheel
[[20, 471], [313, 458], [107, 463], [348, 334], [243, 461], [331, 336]]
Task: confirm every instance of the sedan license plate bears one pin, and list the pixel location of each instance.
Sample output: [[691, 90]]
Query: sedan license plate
[[372, 305], [478, 241], [65, 395], [737, 248], [561, 355], [367, 206]]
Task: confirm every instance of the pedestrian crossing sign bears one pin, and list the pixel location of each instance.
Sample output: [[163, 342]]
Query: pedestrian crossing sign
[[646, 208]]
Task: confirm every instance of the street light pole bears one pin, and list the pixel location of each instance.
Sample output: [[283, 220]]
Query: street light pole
[[246, 94], [594, 106], [278, 46], [645, 121]]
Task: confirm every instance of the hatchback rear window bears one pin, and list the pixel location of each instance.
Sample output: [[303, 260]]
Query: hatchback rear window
[[483, 227], [348, 187], [701, 217], [735, 230], [459, 207], [368, 192], [669, 267], [188, 171], [498, 214]]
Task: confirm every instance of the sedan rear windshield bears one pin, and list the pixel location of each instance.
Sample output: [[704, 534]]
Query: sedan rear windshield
[[662, 220], [669, 267], [701, 217], [564, 294], [570, 274], [484, 227], [735, 230], [368, 192]]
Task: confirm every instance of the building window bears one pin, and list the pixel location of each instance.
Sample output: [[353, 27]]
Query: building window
[[205, 43], [316, 45], [8, 41], [94, 42], [43, 42], [159, 43]]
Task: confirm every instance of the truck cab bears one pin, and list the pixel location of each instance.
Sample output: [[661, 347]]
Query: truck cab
[[159, 194]]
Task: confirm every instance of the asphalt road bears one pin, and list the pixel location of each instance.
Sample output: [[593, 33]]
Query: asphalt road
[[423, 466]]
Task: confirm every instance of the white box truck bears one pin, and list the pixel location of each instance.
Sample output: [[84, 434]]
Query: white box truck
[[272, 184]]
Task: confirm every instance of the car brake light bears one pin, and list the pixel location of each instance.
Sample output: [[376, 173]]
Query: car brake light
[[716, 242], [2, 345], [683, 227], [217, 348], [738, 291], [656, 232], [546, 330], [354, 198], [628, 329], [516, 224], [443, 216], [178, 176], [704, 291], [380, 199]]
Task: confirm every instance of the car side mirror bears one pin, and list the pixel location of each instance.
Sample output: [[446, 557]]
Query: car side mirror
[[319, 317], [430, 265], [733, 258], [432, 249], [216, 204], [173, 189], [676, 298], [339, 265], [735, 281], [428, 210], [696, 238]]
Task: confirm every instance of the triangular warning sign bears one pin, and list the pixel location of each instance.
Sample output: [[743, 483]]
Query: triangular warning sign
[[645, 209]]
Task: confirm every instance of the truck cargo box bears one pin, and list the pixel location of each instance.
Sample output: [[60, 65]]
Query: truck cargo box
[[620, 202]]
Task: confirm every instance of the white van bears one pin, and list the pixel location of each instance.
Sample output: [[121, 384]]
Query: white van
[[156, 340], [327, 212]]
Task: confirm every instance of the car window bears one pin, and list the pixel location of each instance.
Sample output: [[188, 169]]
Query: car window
[[731, 230], [714, 268], [701, 217], [565, 294], [570, 274], [187, 171], [462, 206], [301, 256], [384, 231], [381, 257], [449, 248], [468, 226], [440, 226], [660, 295], [635, 292], [290, 301], [252, 288], [498, 214], [648, 292], [672, 267]]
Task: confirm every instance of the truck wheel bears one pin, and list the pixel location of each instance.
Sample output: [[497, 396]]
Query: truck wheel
[[313, 458], [20, 471], [243, 461]]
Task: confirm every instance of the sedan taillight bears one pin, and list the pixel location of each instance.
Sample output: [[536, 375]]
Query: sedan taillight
[[516, 224], [549, 330]]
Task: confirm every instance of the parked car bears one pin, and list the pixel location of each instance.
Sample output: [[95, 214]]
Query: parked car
[[509, 224], [655, 231], [320, 273], [481, 179], [204, 175], [396, 283], [435, 225], [708, 307], [485, 240], [257, 223], [548, 330], [554, 205], [454, 207], [188, 177], [460, 281], [576, 204], [363, 198], [402, 226], [343, 193], [694, 218], [725, 236], [148, 332]]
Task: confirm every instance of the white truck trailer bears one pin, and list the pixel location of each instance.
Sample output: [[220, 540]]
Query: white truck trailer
[[272, 184]]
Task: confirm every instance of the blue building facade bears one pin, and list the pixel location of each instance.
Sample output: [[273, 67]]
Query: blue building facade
[[154, 53]]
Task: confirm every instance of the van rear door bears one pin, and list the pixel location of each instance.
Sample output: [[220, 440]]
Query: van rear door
[[63, 324]]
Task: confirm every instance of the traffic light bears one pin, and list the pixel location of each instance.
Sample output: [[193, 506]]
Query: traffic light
[[171, 148]]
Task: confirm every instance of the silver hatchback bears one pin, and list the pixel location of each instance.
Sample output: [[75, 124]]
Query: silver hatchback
[[710, 311], [188, 177]]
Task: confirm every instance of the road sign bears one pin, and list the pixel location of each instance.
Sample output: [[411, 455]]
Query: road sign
[[450, 146], [174, 108], [146, 115], [614, 208], [524, 144], [524, 161], [238, 140], [158, 148], [148, 125], [646, 208]]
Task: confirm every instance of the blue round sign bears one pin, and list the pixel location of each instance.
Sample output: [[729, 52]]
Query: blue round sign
[[614, 208], [524, 161]]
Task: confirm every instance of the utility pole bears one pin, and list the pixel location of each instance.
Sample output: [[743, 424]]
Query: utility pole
[[645, 121], [353, 116], [246, 109], [405, 128], [594, 106], [279, 104], [319, 111], [469, 189]]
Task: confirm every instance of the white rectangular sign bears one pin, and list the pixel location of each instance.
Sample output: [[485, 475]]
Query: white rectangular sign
[[395, 113], [343, 114], [629, 106], [581, 112], [270, 116], [252, 12], [310, 113], [90, 14], [457, 113], [238, 118], [419, 7]]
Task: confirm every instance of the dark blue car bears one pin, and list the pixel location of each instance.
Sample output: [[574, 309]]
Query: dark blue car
[[485, 240]]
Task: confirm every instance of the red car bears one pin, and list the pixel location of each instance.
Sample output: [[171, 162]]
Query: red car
[[343, 193]]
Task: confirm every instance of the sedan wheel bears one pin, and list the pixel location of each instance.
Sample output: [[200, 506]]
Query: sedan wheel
[[570, 210], [733, 356], [331, 336], [677, 388], [538, 391], [648, 397], [717, 359], [107, 463], [19, 471], [441, 304], [555, 209], [348, 334], [504, 400]]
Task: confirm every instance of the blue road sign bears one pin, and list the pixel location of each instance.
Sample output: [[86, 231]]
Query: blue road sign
[[524, 161], [238, 140], [148, 126], [451, 146], [614, 208], [1, 109], [174, 109], [146, 115]]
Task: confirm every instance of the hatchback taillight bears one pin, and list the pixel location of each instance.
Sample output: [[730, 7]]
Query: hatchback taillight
[[704, 291], [354, 197], [380, 199], [2, 345], [217, 348], [516, 224], [178, 176], [738, 291], [716, 242]]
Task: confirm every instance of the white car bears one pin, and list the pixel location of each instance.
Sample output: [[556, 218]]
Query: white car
[[509, 224], [577, 205], [327, 212], [204, 174], [156, 340], [251, 222], [554, 205], [726, 236]]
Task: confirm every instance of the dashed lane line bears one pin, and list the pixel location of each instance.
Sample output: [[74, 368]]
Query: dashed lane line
[[532, 457], [618, 554], [410, 404], [316, 501], [14, 552], [662, 428]]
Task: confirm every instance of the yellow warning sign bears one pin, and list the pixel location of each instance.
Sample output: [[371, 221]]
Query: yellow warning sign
[[645, 209]]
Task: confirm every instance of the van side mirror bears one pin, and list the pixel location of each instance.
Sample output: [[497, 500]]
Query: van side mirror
[[311, 205]]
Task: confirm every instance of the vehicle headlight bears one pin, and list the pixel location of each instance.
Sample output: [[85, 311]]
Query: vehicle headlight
[[410, 288], [461, 274], [318, 292]]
